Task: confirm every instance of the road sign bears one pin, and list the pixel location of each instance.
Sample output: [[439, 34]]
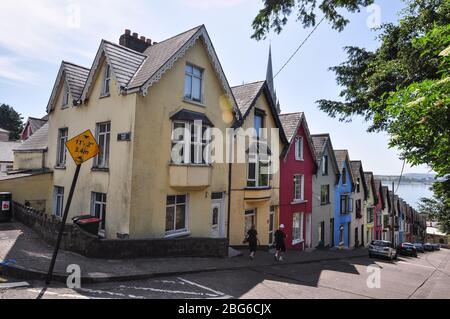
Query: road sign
[[82, 147]]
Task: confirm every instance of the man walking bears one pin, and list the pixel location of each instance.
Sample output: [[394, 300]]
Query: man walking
[[280, 245]]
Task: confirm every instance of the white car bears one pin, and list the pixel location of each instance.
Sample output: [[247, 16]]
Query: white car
[[382, 248]]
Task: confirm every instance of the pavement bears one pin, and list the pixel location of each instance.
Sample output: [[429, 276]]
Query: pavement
[[23, 254]]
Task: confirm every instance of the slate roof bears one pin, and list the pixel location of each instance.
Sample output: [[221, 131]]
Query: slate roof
[[290, 124], [6, 151], [245, 95], [158, 54], [37, 141], [341, 156], [377, 184], [124, 62], [320, 141], [368, 176], [3, 131], [356, 167], [76, 77], [35, 123]]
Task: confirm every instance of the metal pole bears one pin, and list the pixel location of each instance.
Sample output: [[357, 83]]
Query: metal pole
[[63, 224], [393, 215]]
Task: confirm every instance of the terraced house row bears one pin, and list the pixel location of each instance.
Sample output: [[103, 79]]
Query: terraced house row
[[140, 98]]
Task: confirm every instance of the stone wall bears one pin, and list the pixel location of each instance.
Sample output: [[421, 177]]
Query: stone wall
[[85, 244]]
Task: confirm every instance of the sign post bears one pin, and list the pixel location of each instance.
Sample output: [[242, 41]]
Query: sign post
[[82, 148]]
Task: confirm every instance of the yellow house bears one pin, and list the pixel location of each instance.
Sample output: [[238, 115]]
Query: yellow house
[[140, 99], [255, 195]]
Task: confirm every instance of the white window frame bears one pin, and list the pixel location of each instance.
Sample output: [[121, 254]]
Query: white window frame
[[102, 203], [325, 167], [322, 203], [105, 146], [299, 156], [299, 192], [297, 232], [58, 197], [193, 76], [106, 80], [199, 142], [61, 154], [257, 160], [185, 230], [66, 96]]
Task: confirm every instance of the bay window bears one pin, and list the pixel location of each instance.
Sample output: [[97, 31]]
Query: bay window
[[190, 143], [258, 170]]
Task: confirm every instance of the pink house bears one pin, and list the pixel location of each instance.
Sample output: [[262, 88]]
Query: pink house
[[298, 165]]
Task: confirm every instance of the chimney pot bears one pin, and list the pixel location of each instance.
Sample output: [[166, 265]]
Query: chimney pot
[[143, 39], [135, 35], [149, 41], [127, 32]]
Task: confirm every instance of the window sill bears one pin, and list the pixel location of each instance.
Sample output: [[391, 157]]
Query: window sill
[[190, 165], [193, 102], [63, 107], [60, 167], [258, 188], [325, 204], [296, 242], [104, 96], [183, 233], [300, 159], [100, 169], [298, 201]]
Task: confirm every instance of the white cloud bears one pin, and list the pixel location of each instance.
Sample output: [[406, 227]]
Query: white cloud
[[12, 72]]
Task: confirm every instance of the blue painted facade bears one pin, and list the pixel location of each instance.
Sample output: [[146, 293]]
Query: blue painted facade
[[343, 220], [401, 223]]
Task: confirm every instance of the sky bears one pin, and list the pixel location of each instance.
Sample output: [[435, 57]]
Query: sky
[[35, 36]]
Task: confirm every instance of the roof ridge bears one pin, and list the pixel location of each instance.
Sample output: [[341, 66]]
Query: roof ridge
[[174, 36], [74, 64], [291, 113], [321, 134], [248, 83]]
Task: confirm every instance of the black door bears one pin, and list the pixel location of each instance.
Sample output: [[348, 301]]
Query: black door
[[356, 237], [362, 235], [332, 232]]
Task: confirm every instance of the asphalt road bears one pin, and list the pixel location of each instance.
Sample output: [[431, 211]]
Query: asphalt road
[[427, 276]]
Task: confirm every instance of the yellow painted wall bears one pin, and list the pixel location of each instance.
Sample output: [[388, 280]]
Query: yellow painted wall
[[239, 182], [152, 150], [33, 188], [120, 111], [29, 160]]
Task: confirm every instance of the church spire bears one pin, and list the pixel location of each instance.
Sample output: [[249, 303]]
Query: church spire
[[269, 80]]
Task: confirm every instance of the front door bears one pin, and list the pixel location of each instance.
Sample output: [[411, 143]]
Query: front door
[[216, 216], [356, 237], [250, 220], [308, 230]]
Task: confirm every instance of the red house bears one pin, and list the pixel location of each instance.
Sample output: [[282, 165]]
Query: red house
[[379, 207], [298, 165]]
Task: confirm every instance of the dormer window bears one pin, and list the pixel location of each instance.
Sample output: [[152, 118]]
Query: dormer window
[[66, 97], [106, 80], [193, 83]]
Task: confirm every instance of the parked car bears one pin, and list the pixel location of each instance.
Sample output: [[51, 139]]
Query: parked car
[[437, 246], [407, 249], [382, 248], [428, 247], [419, 247]]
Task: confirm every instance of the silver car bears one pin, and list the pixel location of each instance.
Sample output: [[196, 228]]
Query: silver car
[[382, 248]]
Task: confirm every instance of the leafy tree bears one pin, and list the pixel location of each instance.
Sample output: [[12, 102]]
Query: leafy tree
[[11, 121], [275, 13], [438, 209], [367, 77]]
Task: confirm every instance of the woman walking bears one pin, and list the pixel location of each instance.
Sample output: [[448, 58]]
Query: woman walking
[[252, 239], [280, 236]]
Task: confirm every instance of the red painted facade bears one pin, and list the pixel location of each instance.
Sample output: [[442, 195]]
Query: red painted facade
[[378, 224], [290, 167]]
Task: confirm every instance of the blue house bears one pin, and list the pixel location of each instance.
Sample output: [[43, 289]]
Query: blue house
[[343, 201], [401, 220]]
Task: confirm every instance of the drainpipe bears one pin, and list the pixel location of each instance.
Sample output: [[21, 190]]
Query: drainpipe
[[229, 200]]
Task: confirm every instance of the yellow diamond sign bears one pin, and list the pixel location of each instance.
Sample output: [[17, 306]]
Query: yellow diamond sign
[[82, 147]]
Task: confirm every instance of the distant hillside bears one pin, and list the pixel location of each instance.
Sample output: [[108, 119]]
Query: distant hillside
[[409, 178]]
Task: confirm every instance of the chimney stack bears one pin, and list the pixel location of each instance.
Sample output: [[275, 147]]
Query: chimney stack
[[133, 42]]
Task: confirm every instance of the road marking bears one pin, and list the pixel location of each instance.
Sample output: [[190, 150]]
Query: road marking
[[170, 291], [407, 263], [203, 287], [10, 285], [117, 294]]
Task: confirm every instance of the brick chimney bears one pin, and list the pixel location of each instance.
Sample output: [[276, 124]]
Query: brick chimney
[[133, 42]]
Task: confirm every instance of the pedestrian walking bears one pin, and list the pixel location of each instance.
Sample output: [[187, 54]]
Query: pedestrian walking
[[252, 240], [280, 244]]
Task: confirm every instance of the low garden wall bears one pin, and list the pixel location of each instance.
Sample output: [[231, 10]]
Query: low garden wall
[[78, 241]]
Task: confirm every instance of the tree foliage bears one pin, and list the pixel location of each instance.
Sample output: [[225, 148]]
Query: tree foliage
[[11, 121], [275, 14]]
